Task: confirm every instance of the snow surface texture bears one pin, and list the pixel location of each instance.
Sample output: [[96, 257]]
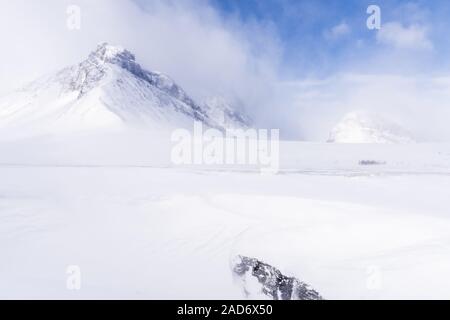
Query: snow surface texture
[[139, 227], [361, 127], [109, 90]]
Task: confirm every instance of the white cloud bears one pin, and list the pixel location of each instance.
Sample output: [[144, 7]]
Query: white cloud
[[399, 36], [338, 31]]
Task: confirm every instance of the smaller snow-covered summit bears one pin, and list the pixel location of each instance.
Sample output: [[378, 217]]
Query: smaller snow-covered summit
[[221, 111], [363, 127]]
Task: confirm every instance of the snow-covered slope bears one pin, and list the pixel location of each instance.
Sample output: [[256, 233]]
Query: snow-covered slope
[[140, 229], [107, 90], [361, 127]]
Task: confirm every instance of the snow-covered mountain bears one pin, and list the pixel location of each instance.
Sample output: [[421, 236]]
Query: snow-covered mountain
[[362, 127], [108, 90]]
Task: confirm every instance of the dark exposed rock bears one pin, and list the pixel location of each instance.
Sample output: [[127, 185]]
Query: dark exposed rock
[[273, 283]]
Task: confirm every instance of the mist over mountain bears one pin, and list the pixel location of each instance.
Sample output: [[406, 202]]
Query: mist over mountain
[[110, 90], [363, 127]]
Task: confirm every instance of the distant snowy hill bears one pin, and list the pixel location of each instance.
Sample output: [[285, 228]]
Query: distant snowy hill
[[362, 127], [108, 90]]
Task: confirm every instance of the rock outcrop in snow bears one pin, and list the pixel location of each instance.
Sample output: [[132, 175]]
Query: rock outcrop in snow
[[107, 90], [260, 279], [361, 127]]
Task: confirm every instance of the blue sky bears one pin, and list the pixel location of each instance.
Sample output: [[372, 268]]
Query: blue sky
[[309, 47]]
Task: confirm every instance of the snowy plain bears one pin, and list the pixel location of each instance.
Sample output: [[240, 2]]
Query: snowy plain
[[336, 216]]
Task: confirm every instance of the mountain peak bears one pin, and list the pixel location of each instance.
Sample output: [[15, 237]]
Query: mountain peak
[[121, 57], [364, 127], [108, 89], [107, 53]]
